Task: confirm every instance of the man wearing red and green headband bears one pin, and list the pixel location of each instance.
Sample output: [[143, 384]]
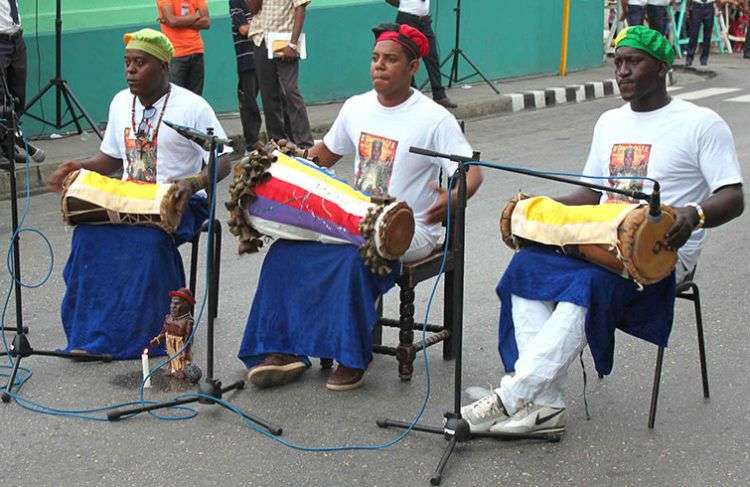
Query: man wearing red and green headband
[[554, 305], [317, 299]]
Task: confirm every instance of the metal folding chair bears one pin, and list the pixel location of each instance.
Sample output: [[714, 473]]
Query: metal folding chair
[[687, 289]]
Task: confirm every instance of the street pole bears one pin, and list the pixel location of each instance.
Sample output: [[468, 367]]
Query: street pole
[[564, 41]]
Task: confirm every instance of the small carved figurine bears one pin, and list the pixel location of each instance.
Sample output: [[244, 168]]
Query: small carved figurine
[[178, 325]]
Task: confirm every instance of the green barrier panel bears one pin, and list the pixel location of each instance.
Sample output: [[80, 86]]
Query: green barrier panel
[[505, 38]]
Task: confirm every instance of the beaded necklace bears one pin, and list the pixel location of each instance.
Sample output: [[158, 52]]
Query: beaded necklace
[[155, 134]]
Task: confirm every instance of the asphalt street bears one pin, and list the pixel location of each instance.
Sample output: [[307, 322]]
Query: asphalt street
[[696, 441]]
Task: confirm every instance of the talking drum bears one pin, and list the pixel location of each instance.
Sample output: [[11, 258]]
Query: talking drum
[[88, 197], [280, 196], [618, 236]]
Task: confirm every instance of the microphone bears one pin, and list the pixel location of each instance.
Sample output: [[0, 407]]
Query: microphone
[[201, 138], [654, 204]]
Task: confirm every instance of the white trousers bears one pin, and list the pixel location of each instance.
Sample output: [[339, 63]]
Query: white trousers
[[549, 337], [421, 246]]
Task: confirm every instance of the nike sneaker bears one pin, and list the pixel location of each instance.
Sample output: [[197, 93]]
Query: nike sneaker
[[484, 413], [532, 419]]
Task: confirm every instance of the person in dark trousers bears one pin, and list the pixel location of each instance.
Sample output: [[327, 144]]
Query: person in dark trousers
[[13, 66], [657, 15], [701, 12], [416, 13], [181, 21], [278, 77], [247, 84], [745, 7], [634, 11]]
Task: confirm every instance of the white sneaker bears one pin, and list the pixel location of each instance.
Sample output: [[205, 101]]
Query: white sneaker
[[533, 419], [484, 413]]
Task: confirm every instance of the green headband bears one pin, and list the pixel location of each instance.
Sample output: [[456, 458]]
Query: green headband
[[647, 40], [150, 41]]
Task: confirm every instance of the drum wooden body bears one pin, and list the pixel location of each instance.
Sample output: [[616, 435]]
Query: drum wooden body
[[635, 249], [280, 196], [91, 198]]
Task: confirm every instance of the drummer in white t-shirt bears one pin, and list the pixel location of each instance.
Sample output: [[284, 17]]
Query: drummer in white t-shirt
[[549, 314], [389, 119], [117, 277], [379, 127]]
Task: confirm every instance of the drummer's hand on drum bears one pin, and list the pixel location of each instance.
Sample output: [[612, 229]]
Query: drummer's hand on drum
[[183, 192], [436, 213], [55, 180], [684, 224]]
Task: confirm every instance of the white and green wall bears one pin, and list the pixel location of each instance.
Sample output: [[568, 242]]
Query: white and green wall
[[505, 38]]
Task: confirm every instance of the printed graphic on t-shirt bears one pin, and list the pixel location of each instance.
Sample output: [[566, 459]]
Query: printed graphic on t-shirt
[[627, 160], [376, 157], [140, 151]]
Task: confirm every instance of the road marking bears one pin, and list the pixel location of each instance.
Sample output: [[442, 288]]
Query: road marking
[[579, 92], [516, 101], [697, 95], [741, 99], [559, 95], [674, 88], [538, 97]]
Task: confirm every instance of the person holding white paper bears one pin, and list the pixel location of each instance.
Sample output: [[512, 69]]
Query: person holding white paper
[[278, 76]]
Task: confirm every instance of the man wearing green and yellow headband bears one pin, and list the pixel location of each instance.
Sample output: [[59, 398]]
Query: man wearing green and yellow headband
[[554, 305], [118, 277]]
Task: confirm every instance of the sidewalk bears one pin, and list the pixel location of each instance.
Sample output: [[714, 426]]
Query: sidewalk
[[475, 100]]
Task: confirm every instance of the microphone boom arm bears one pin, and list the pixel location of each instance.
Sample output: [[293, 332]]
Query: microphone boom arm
[[653, 199]]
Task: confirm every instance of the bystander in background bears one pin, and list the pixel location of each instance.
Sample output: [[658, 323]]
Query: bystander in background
[[700, 13], [416, 13], [13, 65], [247, 81], [181, 21], [277, 77], [638, 11]]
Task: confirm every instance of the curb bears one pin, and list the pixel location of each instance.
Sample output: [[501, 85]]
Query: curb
[[506, 103]]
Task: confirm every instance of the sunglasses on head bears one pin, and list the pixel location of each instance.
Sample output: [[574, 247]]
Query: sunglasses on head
[[148, 114]]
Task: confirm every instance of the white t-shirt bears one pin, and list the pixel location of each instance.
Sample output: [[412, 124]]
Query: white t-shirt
[[176, 156], [659, 3], [688, 149], [380, 138], [415, 7], [7, 26], [636, 2]]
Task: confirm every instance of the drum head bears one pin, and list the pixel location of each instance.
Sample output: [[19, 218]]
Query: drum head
[[650, 260], [394, 231]]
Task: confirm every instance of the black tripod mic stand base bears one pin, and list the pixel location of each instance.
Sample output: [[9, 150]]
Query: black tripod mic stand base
[[63, 93], [21, 348], [210, 388], [456, 430]]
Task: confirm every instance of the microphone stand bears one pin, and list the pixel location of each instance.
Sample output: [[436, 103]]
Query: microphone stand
[[455, 56], [62, 89], [20, 348], [211, 388], [455, 429]]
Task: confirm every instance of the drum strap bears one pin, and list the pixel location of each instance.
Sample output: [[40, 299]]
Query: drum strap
[[114, 216]]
